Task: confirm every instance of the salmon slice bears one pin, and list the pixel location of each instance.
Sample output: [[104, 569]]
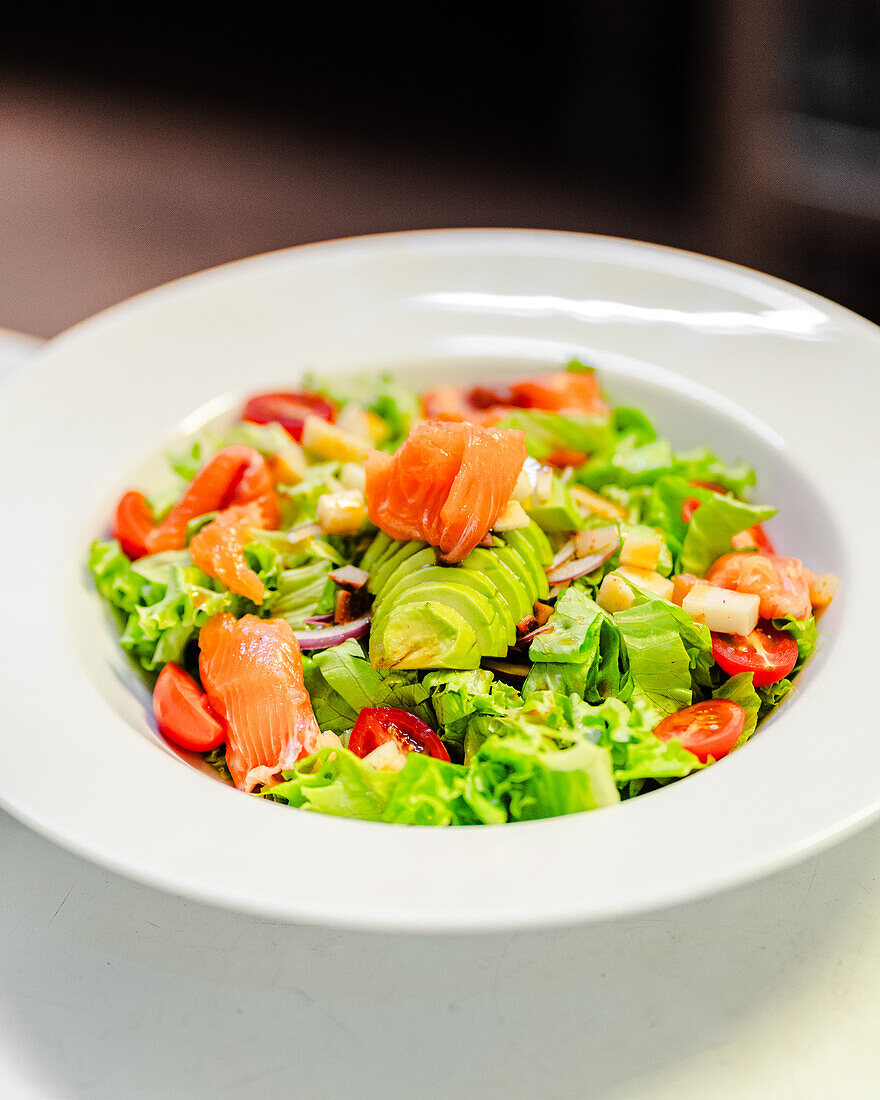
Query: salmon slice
[[218, 549], [782, 583], [235, 475], [446, 485], [251, 670]]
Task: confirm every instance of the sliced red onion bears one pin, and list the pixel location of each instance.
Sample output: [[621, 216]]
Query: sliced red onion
[[329, 636], [532, 634], [349, 576], [563, 555], [579, 567], [319, 620]]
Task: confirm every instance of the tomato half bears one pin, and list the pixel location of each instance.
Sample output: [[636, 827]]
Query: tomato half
[[376, 725], [689, 506], [706, 729], [134, 521], [183, 713], [289, 409], [770, 654]]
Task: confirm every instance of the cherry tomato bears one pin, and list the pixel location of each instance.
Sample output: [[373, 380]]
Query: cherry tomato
[[289, 409], [688, 508], [706, 729], [182, 712], [770, 654], [134, 521], [376, 725]]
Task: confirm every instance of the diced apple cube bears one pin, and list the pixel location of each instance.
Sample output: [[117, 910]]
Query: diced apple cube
[[543, 485], [615, 594], [512, 516], [387, 757], [342, 513], [596, 541], [352, 476], [651, 582], [822, 589], [289, 466], [523, 488], [722, 610], [332, 443], [640, 550], [744, 540]]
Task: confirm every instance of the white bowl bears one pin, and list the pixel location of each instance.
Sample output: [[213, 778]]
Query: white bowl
[[713, 353]]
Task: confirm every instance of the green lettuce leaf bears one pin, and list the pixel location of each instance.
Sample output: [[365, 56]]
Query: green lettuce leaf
[[335, 781], [547, 432], [711, 528], [457, 697], [397, 405], [741, 690], [804, 633], [659, 662]]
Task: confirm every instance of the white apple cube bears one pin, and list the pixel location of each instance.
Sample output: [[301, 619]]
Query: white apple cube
[[651, 582], [615, 594], [642, 551]]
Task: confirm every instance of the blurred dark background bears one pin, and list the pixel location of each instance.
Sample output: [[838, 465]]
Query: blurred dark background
[[136, 146]]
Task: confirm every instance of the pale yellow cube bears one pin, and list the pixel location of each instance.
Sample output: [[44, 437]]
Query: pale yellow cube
[[512, 517], [329, 442], [650, 582], [342, 513], [615, 594], [641, 551], [722, 610]]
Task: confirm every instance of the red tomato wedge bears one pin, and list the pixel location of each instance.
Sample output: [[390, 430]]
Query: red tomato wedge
[[376, 725], [235, 475], [218, 549], [183, 713], [133, 523], [769, 654], [706, 729], [252, 673], [688, 508], [288, 409], [445, 485]]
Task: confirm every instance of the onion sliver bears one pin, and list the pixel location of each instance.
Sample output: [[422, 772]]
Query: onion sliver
[[329, 636], [571, 570]]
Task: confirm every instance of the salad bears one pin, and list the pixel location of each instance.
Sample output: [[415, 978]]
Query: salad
[[470, 606]]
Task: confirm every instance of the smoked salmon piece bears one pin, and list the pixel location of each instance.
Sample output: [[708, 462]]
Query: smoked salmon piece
[[446, 485], [572, 391], [782, 583], [218, 549], [235, 475], [251, 670]]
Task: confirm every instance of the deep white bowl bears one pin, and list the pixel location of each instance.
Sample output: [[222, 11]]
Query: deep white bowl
[[713, 353]]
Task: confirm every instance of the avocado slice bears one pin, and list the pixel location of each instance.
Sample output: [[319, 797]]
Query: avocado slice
[[429, 635], [402, 551], [405, 567], [522, 570], [539, 541], [377, 551], [514, 592], [523, 546], [403, 581], [558, 513], [480, 613]]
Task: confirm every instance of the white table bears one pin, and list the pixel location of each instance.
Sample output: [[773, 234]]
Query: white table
[[111, 989]]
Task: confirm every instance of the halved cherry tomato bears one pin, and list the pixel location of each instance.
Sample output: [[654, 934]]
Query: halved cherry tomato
[[770, 654], [706, 729], [689, 506], [376, 725], [289, 409], [134, 521], [182, 712]]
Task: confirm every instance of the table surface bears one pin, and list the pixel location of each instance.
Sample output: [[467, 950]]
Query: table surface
[[109, 988]]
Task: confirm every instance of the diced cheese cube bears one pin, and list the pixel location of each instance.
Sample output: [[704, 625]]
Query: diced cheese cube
[[822, 589], [512, 516], [594, 504], [743, 540], [651, 582], [722, 610], [615, 594], [596, 541], [342, 513], [289, 465], [640, 550], [352, 476], [355, 421], [330, 442]]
